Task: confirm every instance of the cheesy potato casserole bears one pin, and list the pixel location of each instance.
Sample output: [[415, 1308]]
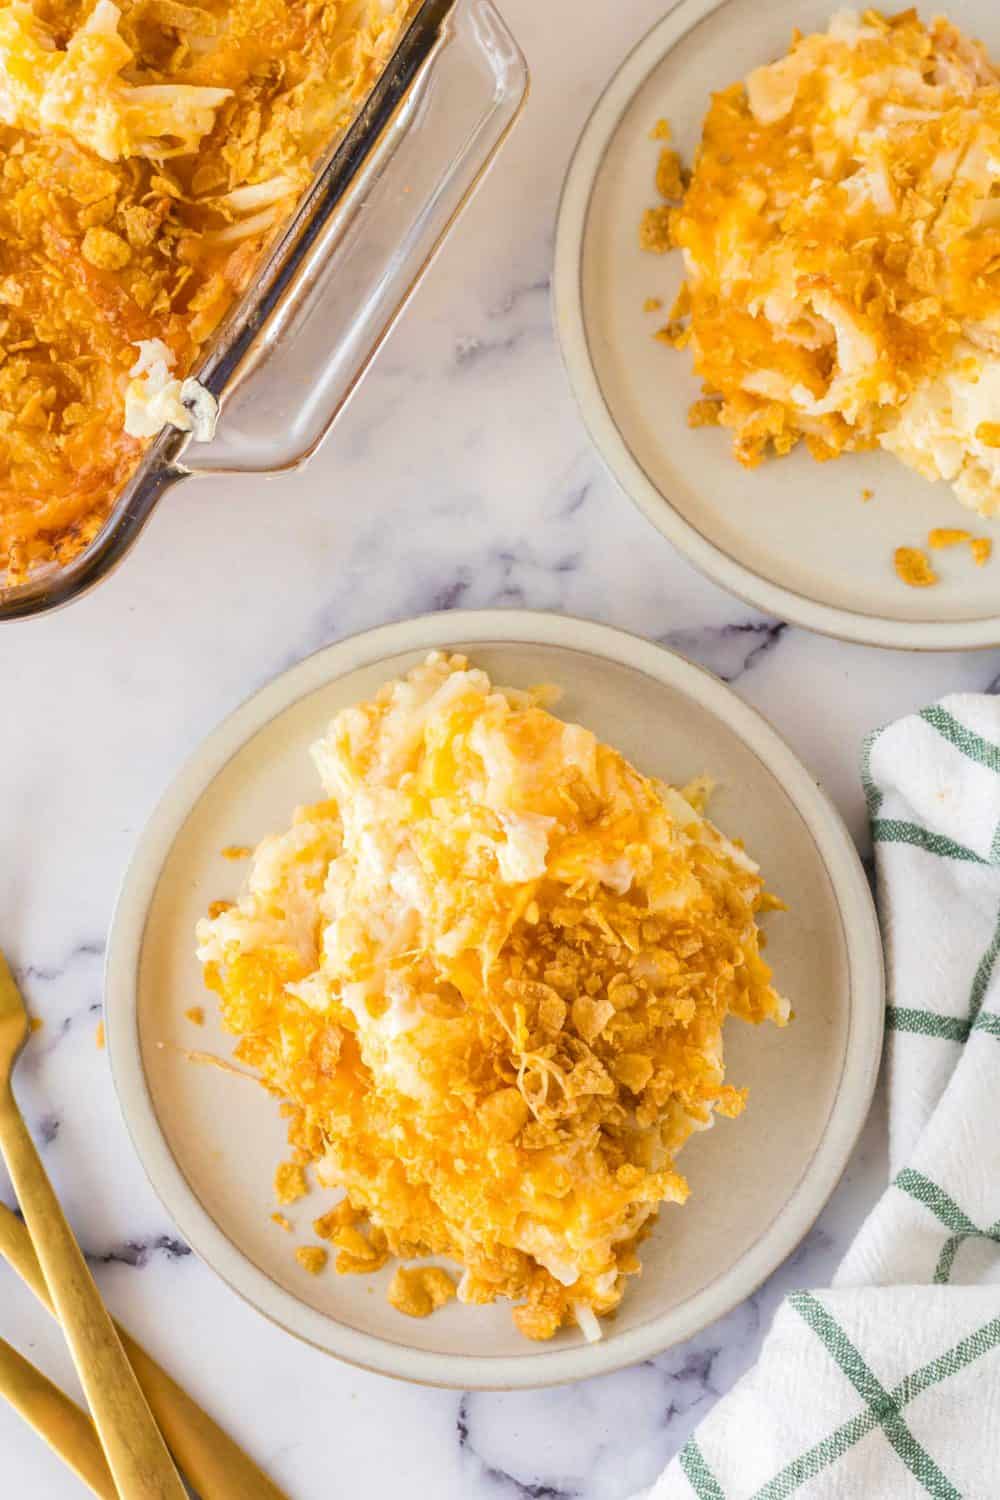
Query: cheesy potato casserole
[[841, 239], [488, 975], [148, 151]]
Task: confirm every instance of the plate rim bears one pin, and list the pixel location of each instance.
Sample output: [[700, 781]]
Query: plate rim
[[711, 560], [849, 1109]]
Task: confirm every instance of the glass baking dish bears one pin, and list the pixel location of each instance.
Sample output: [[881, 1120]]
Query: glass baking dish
[[292, 351]]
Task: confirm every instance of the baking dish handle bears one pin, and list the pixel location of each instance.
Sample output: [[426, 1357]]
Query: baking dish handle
[[281, 392]]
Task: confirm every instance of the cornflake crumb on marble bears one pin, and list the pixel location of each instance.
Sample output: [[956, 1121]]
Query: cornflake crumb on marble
[[196, 1015], [420, 1290], [311, 1258], [290, 1182], [99, 1036], [36, 1023]]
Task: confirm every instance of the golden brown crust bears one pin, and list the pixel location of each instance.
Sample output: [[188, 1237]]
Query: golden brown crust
[[491, 981], [97, 254], [842, 245]]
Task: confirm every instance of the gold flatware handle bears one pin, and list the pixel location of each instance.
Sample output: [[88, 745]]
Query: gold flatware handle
[[215, 1465], [136, 1453], [68, 1431]]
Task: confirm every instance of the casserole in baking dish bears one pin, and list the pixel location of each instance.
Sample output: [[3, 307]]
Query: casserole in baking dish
[[151, 156]]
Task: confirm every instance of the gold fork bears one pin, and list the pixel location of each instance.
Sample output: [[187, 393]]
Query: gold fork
[[67, 1430], [210, 1459], [136, 1453]]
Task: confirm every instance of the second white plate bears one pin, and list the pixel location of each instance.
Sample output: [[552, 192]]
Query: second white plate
[[210, 1142], [793, 537]]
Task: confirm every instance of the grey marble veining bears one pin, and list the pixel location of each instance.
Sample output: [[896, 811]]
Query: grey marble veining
[[460, 476]]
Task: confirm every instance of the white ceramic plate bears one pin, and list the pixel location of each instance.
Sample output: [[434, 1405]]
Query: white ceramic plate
[[792, 537], [210, 1142]]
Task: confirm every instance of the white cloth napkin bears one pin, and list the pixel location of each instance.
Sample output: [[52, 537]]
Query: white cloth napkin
[[888, 1384]]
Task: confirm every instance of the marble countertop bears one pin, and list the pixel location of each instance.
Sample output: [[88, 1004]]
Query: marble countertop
[[461, 475]]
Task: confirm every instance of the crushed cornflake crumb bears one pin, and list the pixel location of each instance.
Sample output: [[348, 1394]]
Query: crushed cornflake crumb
[[343, 1216], [867, 495], [914, 567], [669, 178], [99, 1036], [946, 536], [652, 304], [105, 249], [704, 413], [660, 131], [216, 908], [36, 1023], [196, 1015], [674, 334], [237, 851], [311, 1258], [282, 1222], [982, 548], [360, 1253], [489, 975], [654, 230], [290, 1182], [420, 1290]]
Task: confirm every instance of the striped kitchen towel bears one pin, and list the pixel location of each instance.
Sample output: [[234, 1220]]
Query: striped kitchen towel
[[888, 1384]]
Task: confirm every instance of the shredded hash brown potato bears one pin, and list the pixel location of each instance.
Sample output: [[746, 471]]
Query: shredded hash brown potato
[[841, 238], [489, 973], [147, 155]]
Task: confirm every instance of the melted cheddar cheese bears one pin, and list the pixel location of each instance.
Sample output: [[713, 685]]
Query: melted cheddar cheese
[[490, 975], [841, 238], [148, 153]]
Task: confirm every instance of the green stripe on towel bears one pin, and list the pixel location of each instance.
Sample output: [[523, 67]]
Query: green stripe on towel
[[971, 744], [927, 1023], [883, 1409], [698, 1474], [894, 831], [881, 1403]]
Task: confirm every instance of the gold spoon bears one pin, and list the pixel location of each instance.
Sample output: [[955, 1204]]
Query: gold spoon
[[212, 1462], [68, 1431], [136, 1453]]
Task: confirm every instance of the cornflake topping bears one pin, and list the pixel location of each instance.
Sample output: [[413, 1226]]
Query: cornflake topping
[[841, 243], [149, 153], [489, 975]]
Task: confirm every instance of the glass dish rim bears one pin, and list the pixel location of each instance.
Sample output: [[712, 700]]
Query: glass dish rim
[[54, 585]]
